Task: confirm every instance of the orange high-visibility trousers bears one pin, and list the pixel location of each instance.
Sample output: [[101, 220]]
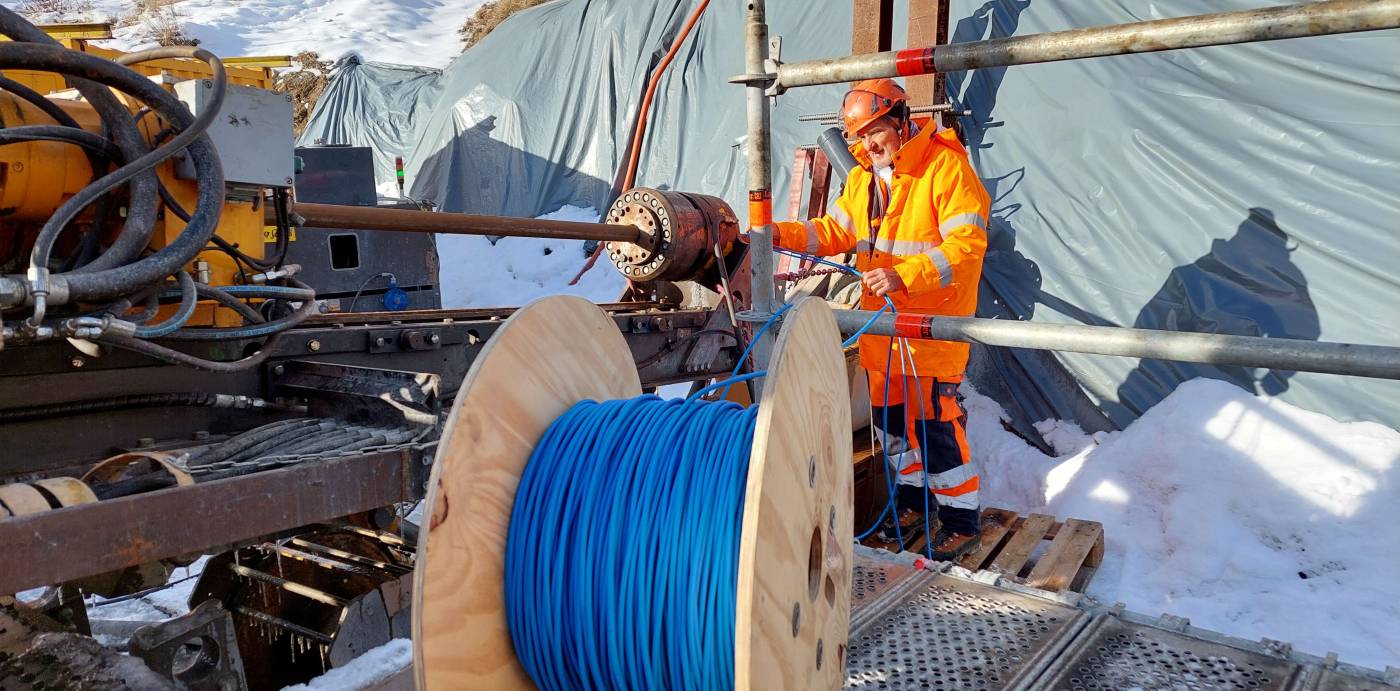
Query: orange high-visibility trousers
[[939, 434]]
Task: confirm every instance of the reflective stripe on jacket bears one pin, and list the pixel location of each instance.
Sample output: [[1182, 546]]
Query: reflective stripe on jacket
[[932, 233]]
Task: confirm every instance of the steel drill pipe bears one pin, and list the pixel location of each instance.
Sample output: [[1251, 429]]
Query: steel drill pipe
[[1296, 355], [1223, 28], [410, 221]]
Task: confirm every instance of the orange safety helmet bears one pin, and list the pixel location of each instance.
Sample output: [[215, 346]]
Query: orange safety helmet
[[869, 101]]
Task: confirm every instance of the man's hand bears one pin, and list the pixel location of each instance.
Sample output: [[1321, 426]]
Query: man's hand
[[882, 281]]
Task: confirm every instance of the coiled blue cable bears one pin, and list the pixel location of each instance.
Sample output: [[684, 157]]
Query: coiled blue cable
[[623, 546], [923, 453]]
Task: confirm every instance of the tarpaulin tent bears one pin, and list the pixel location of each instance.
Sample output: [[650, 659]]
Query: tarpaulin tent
[[1246, 189]]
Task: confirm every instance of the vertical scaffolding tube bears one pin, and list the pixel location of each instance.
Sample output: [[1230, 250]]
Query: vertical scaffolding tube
[[760, 180]]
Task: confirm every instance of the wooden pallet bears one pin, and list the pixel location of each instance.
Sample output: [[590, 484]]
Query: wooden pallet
[[1009, 542]]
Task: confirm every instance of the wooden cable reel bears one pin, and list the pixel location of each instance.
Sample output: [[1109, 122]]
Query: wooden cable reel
[[794, 575]]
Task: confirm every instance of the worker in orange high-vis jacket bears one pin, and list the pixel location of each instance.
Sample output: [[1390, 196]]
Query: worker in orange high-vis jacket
[[915, 215]]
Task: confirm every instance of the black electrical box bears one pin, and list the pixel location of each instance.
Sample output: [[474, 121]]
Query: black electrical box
[[347, 267]]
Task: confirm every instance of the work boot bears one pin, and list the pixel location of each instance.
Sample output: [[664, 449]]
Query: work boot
[[909, 501], [948, 545], [909, 522]]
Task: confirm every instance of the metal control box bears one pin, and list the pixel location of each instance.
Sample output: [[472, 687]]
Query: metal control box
[[253, 132], [347, 267]]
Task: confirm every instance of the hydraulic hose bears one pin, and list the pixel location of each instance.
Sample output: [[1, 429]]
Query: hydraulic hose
[[176, 357], [309, 307], [121, 126], [67, 135], [102, 405], [189, 300], [226, 448], [90, 283], [222, 297], [64, 61], [37, 100]]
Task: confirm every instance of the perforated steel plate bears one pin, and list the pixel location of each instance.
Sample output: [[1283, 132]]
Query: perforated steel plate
[[957, 635], [1115, 654], [872, 578]]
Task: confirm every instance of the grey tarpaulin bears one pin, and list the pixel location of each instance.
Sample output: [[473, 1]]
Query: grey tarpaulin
[[1240, 189], [376, 105]]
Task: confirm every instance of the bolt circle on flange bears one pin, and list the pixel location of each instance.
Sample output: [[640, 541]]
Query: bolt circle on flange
[[678, 231]]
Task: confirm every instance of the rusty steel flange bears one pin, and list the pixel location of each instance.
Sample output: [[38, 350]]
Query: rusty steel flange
[[679, 232]]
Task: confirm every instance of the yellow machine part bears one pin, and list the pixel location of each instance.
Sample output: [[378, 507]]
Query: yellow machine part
[[37, 177], [172, 70]]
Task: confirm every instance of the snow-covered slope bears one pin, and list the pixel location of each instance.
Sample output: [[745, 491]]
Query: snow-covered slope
[[1244, 514], [412, 32]]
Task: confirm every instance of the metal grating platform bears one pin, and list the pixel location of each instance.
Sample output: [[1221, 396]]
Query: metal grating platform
[[919, 629], [1114, 654], [957, 635]]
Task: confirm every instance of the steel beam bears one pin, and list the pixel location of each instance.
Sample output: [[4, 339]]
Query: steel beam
[[410, 221], [1297, 355], [1223, 28], [65, 544]]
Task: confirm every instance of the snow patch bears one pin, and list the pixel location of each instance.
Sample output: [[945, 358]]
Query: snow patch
[[515, 271], [375, 666], [411, 32], [1245, 514]]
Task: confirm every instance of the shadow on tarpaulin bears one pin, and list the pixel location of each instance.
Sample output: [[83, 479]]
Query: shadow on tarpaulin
[[1273, 212]]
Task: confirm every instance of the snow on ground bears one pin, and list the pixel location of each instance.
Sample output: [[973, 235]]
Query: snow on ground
[[515, 271], [412, 32], [373, 667], [113, 621], [1245, 514]]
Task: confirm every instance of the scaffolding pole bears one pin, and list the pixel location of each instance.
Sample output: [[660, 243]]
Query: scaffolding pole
[[1296, 355], [1223, 28], [759, 150]]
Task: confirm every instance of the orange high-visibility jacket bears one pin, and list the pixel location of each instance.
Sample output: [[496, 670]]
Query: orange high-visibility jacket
[[933, 234]]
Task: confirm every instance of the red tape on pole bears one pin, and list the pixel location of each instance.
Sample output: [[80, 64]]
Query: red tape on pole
[[914, 61], [912, 326]]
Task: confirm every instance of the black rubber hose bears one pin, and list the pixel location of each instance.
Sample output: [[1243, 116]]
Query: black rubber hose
[[121, 126], [114, 282], [115, 74], [37, 100], [189, 300], [61, 117], [176, 357], [67, 135], [309, 307], [260, 449], [229, 447], [231, 302], [102, 405]]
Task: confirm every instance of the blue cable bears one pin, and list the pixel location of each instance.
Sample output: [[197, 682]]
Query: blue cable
[[744, 356], [622, 552], [890, 505]]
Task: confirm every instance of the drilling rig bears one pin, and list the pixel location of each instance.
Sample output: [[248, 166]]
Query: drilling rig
[[215, 344]]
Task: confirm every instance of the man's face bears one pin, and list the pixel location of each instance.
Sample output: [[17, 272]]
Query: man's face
[[881, 139]]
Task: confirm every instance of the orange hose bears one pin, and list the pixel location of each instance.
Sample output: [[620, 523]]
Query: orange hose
[[641, 126]]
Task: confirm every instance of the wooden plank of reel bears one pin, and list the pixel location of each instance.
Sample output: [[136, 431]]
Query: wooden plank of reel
[[793, 604]]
